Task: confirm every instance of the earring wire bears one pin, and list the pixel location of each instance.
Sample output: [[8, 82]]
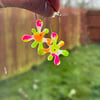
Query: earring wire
[[59, 15], [50, 24], [45, 8]]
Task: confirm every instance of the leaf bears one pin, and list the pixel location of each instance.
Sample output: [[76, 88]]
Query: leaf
[[46, 31], [65, 53], [34, 31], [50, 57], [34, 44]]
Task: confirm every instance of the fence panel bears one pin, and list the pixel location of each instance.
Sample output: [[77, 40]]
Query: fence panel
[[93, 26]]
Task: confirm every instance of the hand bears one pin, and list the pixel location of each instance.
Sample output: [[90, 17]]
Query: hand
[[38, 6]]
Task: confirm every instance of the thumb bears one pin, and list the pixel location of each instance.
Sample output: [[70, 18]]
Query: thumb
[[43, 7]]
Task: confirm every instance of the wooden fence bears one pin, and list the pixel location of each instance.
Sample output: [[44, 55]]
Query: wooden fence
[[15, 55], [93, 26], [90, 26]]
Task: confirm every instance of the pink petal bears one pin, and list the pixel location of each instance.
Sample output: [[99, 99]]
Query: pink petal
[[26, 38], [56, 60], [38, 23], [53, 35]]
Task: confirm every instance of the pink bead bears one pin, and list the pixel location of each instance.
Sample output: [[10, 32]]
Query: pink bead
[[38, 23], [54, 35]]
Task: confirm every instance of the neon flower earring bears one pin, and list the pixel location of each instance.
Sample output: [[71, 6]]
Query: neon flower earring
[[38, 37], [54, 49]]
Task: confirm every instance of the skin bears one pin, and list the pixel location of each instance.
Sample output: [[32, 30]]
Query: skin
[[37, 6]]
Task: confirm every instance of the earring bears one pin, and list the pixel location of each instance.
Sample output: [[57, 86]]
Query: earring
[[54, 49], [38, 37]]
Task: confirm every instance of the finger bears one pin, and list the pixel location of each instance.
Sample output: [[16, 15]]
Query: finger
[[55, 4], [35, 5]]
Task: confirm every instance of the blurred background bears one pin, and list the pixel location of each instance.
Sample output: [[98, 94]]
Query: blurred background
[[25, 75]]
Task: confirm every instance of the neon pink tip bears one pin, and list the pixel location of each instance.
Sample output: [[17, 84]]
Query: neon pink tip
[[26, 37], [38, 23], [54, 35], [56, 60]]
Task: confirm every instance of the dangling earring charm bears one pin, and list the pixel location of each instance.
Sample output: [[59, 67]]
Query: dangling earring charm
[[54, 49], [38, 37]]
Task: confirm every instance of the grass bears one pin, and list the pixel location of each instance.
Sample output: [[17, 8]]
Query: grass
[[77, 78]]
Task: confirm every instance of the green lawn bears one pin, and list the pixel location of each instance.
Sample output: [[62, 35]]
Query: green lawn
[[77, 78]]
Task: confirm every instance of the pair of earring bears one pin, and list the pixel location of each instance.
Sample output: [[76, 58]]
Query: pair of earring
[[39, 39]]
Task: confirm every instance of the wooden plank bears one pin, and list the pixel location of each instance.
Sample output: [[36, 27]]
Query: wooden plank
[[94, 33], [94, 41], [20, 29], [93, 20], [2, 43], [93, 13], [9, 58], [91, 26], [13, 22]]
